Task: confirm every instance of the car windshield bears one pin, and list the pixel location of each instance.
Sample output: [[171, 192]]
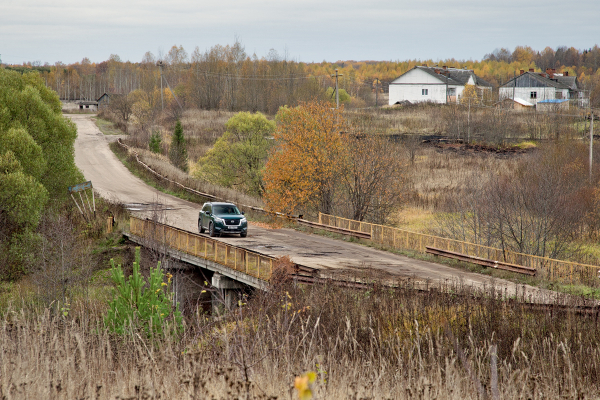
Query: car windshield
[[226, 210]]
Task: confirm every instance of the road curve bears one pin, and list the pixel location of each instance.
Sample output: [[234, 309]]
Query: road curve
[[113, 181]]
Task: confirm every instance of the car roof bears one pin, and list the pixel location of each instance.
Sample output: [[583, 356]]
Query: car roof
[[218, 203]]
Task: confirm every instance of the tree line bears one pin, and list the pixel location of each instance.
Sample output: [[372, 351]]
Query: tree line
[[227, 77]]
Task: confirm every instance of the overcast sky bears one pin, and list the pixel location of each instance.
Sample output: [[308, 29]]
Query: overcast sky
[[305, 30]]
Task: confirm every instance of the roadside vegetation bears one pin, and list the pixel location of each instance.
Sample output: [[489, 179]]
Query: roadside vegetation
[[324, 341]]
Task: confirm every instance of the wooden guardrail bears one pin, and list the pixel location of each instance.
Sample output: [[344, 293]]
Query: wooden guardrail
[[481, 261], [349, 232], [239, 259], [554, 270]]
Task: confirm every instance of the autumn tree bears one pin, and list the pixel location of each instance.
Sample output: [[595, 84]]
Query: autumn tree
[[373, 180], [238, 157], [304, 169], [469, 95]]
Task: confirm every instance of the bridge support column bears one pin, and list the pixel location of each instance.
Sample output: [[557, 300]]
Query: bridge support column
[[226, 294]]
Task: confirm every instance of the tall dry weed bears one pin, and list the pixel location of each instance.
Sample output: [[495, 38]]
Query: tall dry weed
[[379, 343]]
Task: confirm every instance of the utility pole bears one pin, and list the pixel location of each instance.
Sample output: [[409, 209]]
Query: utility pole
[[591, 141], [469, 122], [337, 92], [514, 86], [162, 102], [376, 90]]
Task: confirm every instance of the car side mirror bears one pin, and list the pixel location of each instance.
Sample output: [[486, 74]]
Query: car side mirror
[[243, 213]]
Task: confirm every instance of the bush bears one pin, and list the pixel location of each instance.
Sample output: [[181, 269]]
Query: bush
[[155, 142], [178, 150], [138, 304]]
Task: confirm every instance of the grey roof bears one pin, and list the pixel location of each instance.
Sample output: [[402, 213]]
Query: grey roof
[[535, 79], [453, 76], [569, 81]]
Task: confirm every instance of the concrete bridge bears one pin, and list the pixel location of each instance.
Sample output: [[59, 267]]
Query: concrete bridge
[[232, 268]]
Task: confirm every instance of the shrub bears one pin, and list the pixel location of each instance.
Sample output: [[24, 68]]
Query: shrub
[[155, 142], [178, 150], [138, 304]]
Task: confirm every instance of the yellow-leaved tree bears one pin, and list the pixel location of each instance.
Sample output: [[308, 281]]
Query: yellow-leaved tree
[[305, 165], [469, 95]]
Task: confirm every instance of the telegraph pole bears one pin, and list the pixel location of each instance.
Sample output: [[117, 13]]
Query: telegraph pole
[[376, 90], [162, 102], [591, 141], [337, 92]]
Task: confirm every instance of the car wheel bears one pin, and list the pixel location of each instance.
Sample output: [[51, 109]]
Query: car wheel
[[211, 230], [243, 234], [200, 227]]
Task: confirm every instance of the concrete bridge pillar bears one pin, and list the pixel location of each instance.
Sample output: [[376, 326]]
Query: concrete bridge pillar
[[226, 294]]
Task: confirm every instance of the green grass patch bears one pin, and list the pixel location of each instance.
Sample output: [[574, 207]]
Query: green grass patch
[[107, 127]]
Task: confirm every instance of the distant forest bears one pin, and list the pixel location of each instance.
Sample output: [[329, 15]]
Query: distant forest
[[226, 77]]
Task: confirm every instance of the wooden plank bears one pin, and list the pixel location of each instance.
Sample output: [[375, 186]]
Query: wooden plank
[[482, 261]]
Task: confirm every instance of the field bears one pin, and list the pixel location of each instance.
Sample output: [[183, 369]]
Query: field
[[376, 344]]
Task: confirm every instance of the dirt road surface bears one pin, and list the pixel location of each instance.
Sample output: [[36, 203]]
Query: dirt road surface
[[113, 181]]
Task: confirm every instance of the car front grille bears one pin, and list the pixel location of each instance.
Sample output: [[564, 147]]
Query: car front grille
[[232, 222]]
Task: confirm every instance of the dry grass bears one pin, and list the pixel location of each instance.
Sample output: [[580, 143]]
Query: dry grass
[[437, 174], [202, 128], [375, 344]]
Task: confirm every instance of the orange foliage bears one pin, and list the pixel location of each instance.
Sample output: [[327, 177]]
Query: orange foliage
[[307, 160]]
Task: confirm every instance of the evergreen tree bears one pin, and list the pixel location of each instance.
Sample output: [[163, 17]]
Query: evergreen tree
[[178, 151], [155, 142]]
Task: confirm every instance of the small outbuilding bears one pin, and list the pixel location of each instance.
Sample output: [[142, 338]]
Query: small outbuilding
[[85, 105], [552, 105], [515, 104]]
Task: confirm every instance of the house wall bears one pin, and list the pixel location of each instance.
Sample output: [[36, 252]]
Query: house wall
[[410, 87]]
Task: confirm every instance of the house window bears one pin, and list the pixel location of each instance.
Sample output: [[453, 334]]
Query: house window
[[424, 92], [558, 95], [533, 95]]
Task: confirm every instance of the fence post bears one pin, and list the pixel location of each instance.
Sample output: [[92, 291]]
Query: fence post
[[320, 218]]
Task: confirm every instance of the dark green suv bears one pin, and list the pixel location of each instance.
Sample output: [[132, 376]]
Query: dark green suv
[[219, 218]]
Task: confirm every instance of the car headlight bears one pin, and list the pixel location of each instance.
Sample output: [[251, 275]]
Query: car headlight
[[220, 220], [243, 220]]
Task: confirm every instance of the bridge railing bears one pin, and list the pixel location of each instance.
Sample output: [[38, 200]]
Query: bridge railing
[[236, 258], [554, 270]]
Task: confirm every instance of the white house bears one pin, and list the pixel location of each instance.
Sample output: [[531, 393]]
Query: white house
[[434, 84], [537, 86]]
